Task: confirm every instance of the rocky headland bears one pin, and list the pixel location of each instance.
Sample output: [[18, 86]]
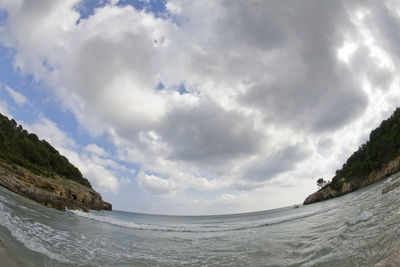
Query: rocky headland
[[54, 192], [33, 168], [375, 160], [327, 192]]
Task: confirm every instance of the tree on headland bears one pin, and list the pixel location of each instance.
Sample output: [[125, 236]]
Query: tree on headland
[[321, 182]]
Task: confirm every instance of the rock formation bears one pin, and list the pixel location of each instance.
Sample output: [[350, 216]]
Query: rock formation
[[327, 192], [55, 192]]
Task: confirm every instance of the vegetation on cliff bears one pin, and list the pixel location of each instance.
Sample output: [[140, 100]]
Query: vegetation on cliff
[[382, 147], [375, 160], [19, 147]]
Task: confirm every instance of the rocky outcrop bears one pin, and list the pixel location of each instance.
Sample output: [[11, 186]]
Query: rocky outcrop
[[54, 192], [323, 194], [391, 186], [349, 186]]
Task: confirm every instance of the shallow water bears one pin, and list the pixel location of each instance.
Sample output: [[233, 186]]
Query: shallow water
[[358, 229]]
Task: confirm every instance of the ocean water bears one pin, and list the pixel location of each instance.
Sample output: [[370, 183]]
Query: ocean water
[[358, 229]]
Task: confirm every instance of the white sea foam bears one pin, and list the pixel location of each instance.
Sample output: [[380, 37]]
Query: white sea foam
[[30, 234], [363, 216], [106, 219], [200, 228], [107, 239]]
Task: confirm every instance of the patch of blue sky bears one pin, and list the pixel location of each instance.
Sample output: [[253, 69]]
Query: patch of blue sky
[[42, 103], [13, 78], [39, 100], [130, 197], [3, 17], [86, 8], [157, 7], [160, 86], [48, 66], [180, 88]]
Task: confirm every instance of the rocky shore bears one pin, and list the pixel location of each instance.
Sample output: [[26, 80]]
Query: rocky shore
[[349, 186], [55, 192]]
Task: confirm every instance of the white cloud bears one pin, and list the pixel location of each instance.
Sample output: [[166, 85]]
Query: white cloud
[[271, 97], [4, 108], [96, 150], [48, 130], [19, 98], [96, 170], [154, 184]]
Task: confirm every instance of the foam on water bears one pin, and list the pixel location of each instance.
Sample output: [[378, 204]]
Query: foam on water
[[32, 235], [356, 229], [363, 216], [196, 228]]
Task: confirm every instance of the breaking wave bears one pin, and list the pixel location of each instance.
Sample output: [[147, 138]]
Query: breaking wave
[[194, 228]]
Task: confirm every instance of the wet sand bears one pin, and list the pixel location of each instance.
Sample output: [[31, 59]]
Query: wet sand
[[5, 259]]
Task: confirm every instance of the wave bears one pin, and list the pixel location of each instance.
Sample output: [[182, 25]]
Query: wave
[[363, 216], [198, 228], [105, 217], [30, 234]]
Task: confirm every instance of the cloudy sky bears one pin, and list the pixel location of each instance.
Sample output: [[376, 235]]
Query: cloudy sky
[[201, 107]]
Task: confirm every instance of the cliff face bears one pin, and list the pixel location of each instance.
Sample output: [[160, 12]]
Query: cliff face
[[55, 192], [327, 192]]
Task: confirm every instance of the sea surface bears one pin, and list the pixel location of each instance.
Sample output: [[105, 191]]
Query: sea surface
[[358, 229]]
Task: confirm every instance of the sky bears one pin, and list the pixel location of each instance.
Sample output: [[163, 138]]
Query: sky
[[201, 107]]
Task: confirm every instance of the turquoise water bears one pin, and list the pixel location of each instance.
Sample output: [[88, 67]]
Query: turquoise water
[[359, 229]]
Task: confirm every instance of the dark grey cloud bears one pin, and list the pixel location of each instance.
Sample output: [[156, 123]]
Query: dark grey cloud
[[363, 64], [384, 24], [206, 134], [257, 67], [280, 161], [309, 88]]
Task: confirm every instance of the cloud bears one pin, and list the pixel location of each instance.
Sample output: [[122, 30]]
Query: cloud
[[215, 95], [18, 98], [48, 130], [154, 184], [282, 160], [98, 171], [96, 150], [384, 24], [208, 135], [4, 108]]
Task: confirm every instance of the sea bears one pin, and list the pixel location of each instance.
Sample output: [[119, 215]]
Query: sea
[[357, 229]]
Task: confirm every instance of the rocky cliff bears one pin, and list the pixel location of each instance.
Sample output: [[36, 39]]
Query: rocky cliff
[[55, 192], [348, 186]]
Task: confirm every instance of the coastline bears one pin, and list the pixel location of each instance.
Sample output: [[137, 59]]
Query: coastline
[[6, 259], [54, 192], [390, 168]]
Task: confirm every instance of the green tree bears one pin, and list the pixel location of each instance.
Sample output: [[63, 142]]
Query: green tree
[[382, 147], [321, 182], [17, 146]]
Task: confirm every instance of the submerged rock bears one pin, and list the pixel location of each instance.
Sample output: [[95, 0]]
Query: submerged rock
[[391, 187], [55, 192]]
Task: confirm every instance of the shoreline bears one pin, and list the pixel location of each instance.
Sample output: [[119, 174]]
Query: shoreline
[[6, 259], [392, 168]]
